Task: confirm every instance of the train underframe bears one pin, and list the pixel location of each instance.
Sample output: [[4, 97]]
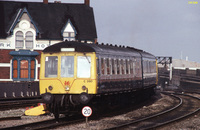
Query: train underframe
[[73, 103]]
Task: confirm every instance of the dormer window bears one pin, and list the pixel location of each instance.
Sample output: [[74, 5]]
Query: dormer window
[[70, 36], [69, 32], [29, 40], [24, 41], [19, 39]]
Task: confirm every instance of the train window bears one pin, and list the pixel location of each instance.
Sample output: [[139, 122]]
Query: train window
[[144, 66], [133, 67], [67, 66], [108, 66], [51, 66], [127, 67], [148, 66], [105, 65], [154, 66], [102, 66], [118, 66], [113, 66], [83, 66], [123, 66], [151, 66], [138, 70]]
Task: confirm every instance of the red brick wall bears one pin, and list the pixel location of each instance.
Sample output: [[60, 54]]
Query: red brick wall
[[4, 56], [5, 73]]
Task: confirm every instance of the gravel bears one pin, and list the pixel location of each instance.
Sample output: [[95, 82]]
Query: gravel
[[106, 122]]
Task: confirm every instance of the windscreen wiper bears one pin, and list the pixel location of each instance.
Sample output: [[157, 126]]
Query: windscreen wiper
[[86, 57]]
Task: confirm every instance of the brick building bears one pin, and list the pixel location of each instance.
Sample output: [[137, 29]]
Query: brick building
[[26, 28]]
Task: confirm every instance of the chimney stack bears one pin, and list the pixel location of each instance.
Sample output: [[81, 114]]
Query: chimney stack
[[87, 2], [57, 1], [45, 1]]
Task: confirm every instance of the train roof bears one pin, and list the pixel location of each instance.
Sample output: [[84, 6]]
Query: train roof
[[99, 49]]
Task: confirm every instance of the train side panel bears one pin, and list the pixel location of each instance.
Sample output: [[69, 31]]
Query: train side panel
[[119, 73]]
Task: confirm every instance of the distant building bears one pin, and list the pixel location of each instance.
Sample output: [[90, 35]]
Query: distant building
[[26, 28], [183, 64]]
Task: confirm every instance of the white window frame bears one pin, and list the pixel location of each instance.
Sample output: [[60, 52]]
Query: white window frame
[[24, 38]]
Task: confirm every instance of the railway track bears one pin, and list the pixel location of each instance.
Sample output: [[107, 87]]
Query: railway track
[[187, 106], [5, 105], [10, 118], [47, 124], [73, 120], [157, 120]]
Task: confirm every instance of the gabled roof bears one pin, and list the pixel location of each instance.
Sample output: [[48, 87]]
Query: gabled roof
[[17, 19], [69, 25], [50, 18]]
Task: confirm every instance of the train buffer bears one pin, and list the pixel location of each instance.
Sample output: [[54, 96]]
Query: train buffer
[[36, 111]]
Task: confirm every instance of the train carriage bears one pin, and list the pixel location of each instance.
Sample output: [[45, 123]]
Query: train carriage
[[72, 73]]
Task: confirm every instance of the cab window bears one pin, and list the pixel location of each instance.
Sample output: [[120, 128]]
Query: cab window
[[83, 66], [67, 66], [51, 66]]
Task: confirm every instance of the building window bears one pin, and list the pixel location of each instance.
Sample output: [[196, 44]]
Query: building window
[[69, 32], [32, 69], [24, 69], [69, 36], [24, 65], [19, 42], [24, 41], [29, 40]]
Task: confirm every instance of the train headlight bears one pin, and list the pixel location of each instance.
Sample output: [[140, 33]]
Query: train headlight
[[50, 88], [84, 88], [67, 88]]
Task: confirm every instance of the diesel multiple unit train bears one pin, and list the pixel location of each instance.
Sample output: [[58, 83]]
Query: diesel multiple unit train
[[74, 73]]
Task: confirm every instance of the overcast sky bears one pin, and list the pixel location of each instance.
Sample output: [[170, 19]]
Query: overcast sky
[[161, 27]]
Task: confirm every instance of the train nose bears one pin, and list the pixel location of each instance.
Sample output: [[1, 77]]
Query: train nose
[[47, 98]]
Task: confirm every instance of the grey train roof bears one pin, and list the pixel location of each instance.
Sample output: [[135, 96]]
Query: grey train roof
[[99, 49], [50, 18]]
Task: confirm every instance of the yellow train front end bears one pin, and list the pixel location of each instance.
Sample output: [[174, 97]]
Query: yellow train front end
[[67, 77]]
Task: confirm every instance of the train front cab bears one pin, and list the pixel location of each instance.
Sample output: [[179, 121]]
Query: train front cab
[[68, 75]]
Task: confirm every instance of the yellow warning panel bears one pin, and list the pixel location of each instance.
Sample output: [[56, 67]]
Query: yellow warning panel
[[36, 111]]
